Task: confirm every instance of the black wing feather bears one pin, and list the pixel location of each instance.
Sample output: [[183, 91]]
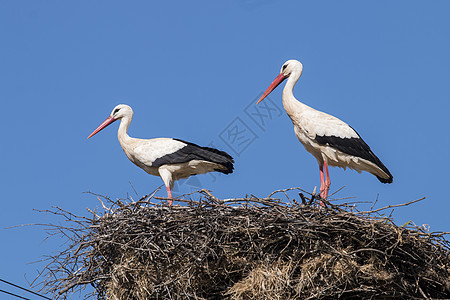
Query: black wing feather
[[356, 147], [195, 152]]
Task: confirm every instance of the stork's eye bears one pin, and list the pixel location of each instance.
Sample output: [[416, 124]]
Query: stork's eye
[[284, 67], [116, 110]]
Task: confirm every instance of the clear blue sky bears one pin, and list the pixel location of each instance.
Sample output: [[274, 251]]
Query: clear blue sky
[[192, 70]]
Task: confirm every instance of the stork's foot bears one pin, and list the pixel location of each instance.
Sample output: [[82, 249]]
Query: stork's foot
[[321, 203], [323, 196], [315, 196]]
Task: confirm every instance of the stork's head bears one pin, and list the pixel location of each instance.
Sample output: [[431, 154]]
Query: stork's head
[[290, 68], [119, 112]]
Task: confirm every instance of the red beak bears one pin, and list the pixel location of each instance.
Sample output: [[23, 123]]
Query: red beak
[[271, 87], [105, 123]]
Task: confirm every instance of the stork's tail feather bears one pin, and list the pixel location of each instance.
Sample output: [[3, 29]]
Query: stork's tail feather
[[212, 155], [389, 178], [228, 167], [222, 158], [355, 146], [385, 180]]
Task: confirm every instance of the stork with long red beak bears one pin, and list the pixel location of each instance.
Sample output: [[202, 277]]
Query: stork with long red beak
[[330, 140], [171, 159]]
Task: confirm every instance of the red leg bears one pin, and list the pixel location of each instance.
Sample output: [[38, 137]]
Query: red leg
[[322, 184], [169, 195], [327, 180], [322, 181]]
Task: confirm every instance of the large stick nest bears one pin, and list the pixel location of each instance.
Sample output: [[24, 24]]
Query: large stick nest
[[248, 248]]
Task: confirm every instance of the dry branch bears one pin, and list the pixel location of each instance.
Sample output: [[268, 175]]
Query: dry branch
[[245, 248]]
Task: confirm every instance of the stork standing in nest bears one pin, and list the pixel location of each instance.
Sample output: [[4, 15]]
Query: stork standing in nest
[[330, 140], [171, 159]]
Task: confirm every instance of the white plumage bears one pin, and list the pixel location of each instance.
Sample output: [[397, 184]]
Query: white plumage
[[330, 140], [171, 159]]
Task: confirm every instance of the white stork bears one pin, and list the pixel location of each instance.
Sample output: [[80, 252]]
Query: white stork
[[330, 140], [171, 159]]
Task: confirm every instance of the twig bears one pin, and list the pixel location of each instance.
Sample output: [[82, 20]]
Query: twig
[[392, 206]]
